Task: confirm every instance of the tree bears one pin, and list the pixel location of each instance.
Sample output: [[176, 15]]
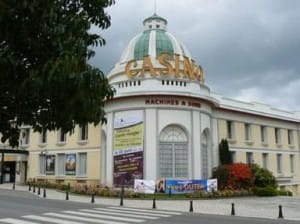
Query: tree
[[46, 81], [263, 177], [224, 153]]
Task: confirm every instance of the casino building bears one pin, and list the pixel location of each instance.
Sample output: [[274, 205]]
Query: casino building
[[164, 122]]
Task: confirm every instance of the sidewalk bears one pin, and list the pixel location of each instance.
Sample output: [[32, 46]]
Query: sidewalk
[[260, 207]]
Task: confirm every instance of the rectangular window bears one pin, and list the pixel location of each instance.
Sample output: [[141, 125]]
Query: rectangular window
[[25, 135], [82, 164], [230, 130], [292, 163], [233, 156], [62, 137], [42, 164], [263, 134], [290, 137], [265, 160], [83, 132], [247, 132], [249, 157], [279, 163], [277, 136], [61, 164], [43, 136]]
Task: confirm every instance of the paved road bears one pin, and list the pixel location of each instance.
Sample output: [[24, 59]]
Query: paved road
[[19, 207]]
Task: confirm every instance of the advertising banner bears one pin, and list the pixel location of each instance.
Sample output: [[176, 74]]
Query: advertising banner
[[160, 186], [144, 186], [128, 167], [70, 165], [50, 164], [185, 186], [212, 185], [128, 150]]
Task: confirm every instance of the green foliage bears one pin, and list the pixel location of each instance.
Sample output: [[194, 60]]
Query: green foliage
[[263, 177], [265, 191], [284, 193], [224, 153], [46, 80], [222, 174]]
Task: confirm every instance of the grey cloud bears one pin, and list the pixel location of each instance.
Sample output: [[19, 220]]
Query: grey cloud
[[242, 45]]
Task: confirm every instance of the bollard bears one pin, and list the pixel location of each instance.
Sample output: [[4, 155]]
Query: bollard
[[67, 195], [44, 193], [170, 192], [29, 188], [14, 186], [39, 190], [154, 204], [93, 198], [191, 206], [122, 195], [232, 209], [280, 216], [33, 188]]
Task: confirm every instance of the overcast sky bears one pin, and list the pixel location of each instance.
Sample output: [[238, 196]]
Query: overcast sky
[[249, 49]]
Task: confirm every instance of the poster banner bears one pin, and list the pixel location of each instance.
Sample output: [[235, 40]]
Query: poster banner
[[212, 185], [128, 167], [70, 165], [185, 186], [128, 150], [50, 164], [144, 186], [160, 186]]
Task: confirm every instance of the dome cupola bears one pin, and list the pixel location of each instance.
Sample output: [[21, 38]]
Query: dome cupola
[[153, 41]]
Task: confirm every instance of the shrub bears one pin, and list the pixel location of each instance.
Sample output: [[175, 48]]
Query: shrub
[[263, 177], [265, 191], [284, 193], [234, 176], [240, 176], [222, 174]]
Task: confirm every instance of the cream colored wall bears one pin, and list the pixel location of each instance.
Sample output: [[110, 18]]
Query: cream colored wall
[[72, 145], [255, 146]]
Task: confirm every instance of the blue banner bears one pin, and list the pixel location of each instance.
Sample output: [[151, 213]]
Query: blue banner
[[185, 186]]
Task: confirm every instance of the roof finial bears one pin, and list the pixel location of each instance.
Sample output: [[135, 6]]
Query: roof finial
[[154, 7]]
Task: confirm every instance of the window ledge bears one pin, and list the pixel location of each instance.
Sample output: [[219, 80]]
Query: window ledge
[[83, 142], [60, 177], [25, 146], [42, 145], [292, 146], [279, 145], [61, 143], [249, 142], [82, 176], [231, 141], [264, 143]]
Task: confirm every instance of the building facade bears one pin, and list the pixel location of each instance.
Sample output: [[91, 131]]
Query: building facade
[[164, 122]]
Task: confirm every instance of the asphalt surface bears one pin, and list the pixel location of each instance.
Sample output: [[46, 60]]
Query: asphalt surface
[[21, 206]]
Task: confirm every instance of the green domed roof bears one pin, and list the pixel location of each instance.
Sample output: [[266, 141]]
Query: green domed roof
[[163, 44]]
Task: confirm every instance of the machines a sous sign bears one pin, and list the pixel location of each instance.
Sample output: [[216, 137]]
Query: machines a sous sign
[[178, 68]]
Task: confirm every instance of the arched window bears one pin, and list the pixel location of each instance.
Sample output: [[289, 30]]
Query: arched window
[[205, 136], [173, 153]]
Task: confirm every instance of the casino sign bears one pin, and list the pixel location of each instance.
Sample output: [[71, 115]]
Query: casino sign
[[178, 68]]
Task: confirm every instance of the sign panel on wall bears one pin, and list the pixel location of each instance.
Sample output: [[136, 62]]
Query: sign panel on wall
[[70, 165], [144, 186], [212, 185], [185, 186], [128, 149], [50, 164]]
